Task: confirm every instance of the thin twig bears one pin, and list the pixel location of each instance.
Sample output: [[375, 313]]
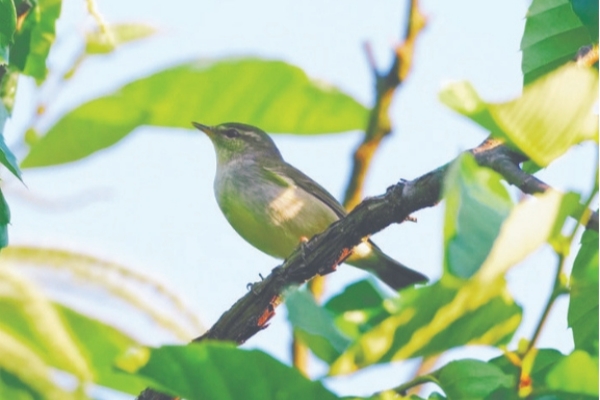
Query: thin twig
[[379, 124]]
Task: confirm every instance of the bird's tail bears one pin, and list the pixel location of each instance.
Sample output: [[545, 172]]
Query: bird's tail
[[390, 271]]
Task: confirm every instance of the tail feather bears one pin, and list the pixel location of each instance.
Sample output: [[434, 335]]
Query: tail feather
[[390, 271]]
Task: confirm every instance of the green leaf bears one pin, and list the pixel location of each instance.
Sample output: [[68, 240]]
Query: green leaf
[[4, 221], [587, 11], [8, 24], [358, 295], [23, 374], [216, 370], [553, 35], [540, 123], [358, 308], [429, 320], [92, 345], [471, 379], [8, 88], [34, 39], [7, 158], [544, 361], [476, 206], [583, 306], [314, 325], [273, 95], [531, 223], [99, 42], [577, 373]]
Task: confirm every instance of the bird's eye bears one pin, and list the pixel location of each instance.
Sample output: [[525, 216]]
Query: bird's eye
[[231, 133]]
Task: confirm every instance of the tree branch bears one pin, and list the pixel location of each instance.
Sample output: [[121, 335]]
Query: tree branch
[[321, 254], [379, 124]]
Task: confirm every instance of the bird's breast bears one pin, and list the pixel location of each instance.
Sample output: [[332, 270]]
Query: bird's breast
[[272, 216]]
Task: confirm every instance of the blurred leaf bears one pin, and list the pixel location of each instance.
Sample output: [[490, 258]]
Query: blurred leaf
[[8, 88], [356, 296], [7, 158], [476, 206], [577, 373], [273, 95], [314, 325], [532, 223], [553, 36], [540, 123], [471, 379], [8, 24], [426, 321], [429, 320], [101, 43], [23, 373], [583, 306], [544, 361], [4, 221], [217, 370], [358, 308], [96, 343], [34, 39]]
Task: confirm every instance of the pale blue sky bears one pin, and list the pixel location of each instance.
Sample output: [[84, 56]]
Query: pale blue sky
[[157, 212]]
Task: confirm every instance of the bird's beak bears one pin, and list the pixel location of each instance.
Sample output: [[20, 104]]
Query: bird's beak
[[206, 129]]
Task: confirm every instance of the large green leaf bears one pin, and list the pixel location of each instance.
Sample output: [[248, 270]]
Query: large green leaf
[[429, 320], [553, 113], [471, 379], [583, 306], [8, 24], [34, 39], [476, 205], [273, 95], [216, 370], [553, 35], [90, 347]]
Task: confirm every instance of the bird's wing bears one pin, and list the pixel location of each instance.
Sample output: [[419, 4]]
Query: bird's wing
[[278, 171]]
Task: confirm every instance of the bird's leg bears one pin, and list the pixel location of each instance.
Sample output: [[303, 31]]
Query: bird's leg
[[303, 247]]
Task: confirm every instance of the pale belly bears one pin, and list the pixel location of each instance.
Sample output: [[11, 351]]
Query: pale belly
[[272, 218]]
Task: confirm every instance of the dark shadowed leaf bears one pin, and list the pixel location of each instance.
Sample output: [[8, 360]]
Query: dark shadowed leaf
[[34, 39], [587, 11], [8, 24], [4, 221], [583, 306], [273, 95], [540, 123], [553, 35], [476, 205], [7, 158], [216, 370]]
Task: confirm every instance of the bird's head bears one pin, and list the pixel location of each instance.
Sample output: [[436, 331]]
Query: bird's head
[[232, 140]]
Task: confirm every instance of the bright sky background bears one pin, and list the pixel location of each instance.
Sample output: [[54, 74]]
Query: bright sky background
[[150, 203]]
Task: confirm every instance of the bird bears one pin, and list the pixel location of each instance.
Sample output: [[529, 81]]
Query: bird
[[274, 206]]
